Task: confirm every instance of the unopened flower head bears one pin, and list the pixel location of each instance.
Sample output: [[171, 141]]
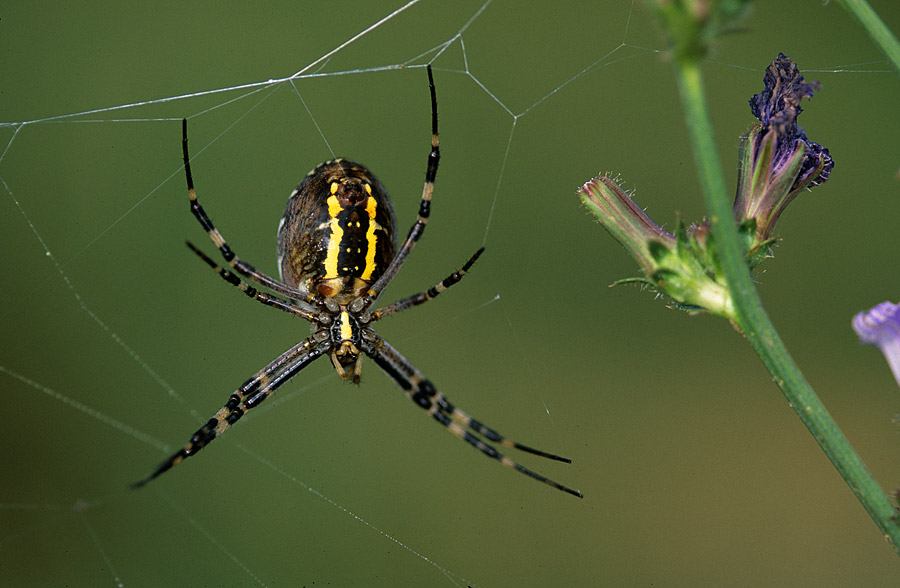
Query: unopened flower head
[[625, 220], [677, 265]]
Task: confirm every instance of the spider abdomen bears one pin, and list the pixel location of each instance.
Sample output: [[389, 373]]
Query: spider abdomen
[[336, 236]]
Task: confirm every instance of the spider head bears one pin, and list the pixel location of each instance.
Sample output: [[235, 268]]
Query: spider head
[[347, 361], [345, 337]]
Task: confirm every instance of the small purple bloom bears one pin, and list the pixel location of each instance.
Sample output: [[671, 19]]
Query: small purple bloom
[[777, 108], [881, 326], [777, 157]]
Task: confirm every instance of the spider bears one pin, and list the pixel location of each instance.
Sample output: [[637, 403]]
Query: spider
[[336, 254]]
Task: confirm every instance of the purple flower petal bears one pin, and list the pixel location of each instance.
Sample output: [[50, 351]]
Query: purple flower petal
[[778, 105], [881, 326]]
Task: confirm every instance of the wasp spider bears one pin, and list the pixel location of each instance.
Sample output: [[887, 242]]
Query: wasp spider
[[336, 254]]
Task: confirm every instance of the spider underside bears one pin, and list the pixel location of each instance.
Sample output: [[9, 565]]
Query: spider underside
[[336, 254]]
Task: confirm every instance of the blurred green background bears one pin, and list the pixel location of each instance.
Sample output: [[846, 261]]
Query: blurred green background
[[119, 341]]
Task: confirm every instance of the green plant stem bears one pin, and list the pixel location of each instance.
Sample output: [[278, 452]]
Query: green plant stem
[[753, 321], [879, 33]]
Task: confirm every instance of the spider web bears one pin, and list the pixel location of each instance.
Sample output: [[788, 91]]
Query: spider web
[[118, 342]]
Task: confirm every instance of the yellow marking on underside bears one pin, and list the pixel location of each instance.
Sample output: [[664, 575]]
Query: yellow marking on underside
[[346, 330], [371, 238], [337, 235]]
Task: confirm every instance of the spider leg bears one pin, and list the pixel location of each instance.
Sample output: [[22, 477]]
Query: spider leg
[[241, 267], [422, 297], [415, 232], [248, 396], [421, 391], [267, 299]]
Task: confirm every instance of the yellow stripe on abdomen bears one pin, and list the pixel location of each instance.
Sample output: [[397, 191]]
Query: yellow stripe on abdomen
[[334, 240], [371, 240]]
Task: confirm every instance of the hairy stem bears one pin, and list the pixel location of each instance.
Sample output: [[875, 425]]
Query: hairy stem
[[753, 321]]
